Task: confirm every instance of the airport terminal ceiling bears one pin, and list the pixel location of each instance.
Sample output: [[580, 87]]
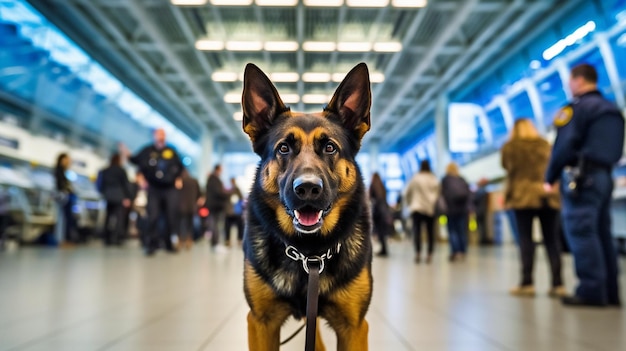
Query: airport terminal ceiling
[[186, 61]]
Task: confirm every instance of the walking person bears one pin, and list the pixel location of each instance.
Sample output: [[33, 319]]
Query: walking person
[[456, 194], [381, 214], [234, 212], [589, 142], [139, 199], [190, 199], [525, 158], [420, 196], [67, 201], [481, 209], [113, 184], [216, 198], [161, 166]]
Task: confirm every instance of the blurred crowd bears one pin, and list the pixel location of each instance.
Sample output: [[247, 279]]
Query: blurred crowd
[[163, 206]]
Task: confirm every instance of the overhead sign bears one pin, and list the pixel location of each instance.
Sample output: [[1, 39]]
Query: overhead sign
[[467, 127]]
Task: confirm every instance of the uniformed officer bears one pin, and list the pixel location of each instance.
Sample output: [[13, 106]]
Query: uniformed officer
[[162, 168], [590, 140]]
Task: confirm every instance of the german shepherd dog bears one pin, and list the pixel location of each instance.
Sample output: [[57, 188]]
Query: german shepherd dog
[[309, 198]]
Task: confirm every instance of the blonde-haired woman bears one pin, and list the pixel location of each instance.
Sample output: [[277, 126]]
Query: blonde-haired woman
[[525, 158], [456, 194]]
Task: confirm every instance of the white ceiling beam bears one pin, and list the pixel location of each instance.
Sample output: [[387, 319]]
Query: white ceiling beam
[[416, 114], [446, 50], [300, 19], [120, 39], [208, 69], [144, 18], [395, 59], [480, 7], [425, 63], [332, 64], [259, 18]]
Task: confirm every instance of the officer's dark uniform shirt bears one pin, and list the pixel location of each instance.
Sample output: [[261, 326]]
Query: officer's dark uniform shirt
[[160, 167], [591, 127]]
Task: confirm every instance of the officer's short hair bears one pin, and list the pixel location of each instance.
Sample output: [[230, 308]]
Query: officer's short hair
[[587, 71]]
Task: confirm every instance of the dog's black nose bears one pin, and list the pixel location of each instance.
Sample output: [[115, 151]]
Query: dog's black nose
[[308, 187]]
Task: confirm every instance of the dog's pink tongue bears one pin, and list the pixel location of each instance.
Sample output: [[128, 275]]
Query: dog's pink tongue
[[308, 218]]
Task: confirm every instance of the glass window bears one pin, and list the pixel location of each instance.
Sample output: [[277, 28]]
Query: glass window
[[521, 107], [466, 127], [498, 127], [618, 44], [552, 96]]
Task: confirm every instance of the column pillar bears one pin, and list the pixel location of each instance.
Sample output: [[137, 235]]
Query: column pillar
[[441, 136]]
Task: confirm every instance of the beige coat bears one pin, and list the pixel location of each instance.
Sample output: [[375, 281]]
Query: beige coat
[[525, 161], [420, 195]]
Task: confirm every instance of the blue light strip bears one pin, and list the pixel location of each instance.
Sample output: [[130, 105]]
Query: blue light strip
[[569, 40]]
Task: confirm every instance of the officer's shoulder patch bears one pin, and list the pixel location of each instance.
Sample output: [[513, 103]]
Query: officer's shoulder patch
[[167, 154], [563, 116]]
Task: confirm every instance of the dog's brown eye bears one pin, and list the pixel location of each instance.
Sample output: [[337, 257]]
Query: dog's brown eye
[[283, 149], [330, 148]]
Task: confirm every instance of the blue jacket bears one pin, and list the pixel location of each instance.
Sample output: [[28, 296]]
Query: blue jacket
[[590, 127]]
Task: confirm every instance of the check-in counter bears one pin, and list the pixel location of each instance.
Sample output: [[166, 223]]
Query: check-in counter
[[90, 207], [29, 208]]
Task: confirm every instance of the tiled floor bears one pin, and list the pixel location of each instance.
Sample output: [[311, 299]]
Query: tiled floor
[[92, 298]]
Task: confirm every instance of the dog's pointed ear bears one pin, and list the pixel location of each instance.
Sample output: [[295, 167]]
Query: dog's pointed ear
[[352, 100], [260, 102]]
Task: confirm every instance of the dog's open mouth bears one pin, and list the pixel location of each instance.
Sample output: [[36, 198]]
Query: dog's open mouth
[[308, 219]]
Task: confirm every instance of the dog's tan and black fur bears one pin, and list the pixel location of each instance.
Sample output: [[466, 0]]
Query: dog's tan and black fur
[[308, 193]]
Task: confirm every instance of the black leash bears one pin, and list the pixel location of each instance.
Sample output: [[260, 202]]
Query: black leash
[[312, 296], [294, 334], [313, 266]]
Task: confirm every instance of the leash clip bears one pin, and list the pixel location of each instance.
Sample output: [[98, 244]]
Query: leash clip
[[319, 259]]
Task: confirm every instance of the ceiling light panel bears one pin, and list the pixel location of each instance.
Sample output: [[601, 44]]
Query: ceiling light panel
[[315, 98], [377, 77], [209, 45], [290, 98], [231, 2], [284, 46], [338, 77], [285, 77], [224, 76], [189, 2], [244, 45], [232, 98], [409, 3], [367, 3], [354, 46], [316, 77], [387, 47], [276, 2], [323, 3], [321, 46]]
